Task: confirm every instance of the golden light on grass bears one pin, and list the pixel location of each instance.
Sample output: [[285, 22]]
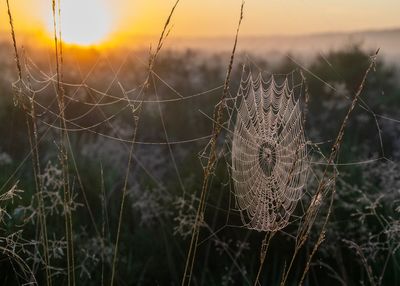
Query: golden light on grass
[[84, 23]]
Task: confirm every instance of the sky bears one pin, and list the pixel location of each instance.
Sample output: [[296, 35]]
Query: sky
[[204, 18]]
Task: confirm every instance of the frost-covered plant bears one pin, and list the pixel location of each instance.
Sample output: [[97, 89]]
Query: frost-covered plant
[[92, 252], [151, 203], [186, 218], [378, 212], [235, 250], [8, 196], [51, 194]]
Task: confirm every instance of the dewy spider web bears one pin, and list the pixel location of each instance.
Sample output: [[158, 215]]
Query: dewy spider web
[[269, 153], [122, 99]]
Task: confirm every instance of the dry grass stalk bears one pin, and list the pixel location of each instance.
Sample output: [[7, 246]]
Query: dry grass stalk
[[136, 111], [217, 118], [323, 188], [30, 116], [263, 254], [63, 153]]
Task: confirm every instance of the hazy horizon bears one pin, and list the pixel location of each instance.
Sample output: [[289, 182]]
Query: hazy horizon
[[305, 46], [117, 20]]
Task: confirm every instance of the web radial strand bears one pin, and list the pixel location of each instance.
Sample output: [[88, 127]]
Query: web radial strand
[[269, 153]]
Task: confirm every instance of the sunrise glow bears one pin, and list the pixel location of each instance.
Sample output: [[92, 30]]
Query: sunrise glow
[[83, 23], [102, 22]]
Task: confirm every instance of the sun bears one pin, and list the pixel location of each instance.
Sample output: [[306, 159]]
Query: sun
[[84, 22]]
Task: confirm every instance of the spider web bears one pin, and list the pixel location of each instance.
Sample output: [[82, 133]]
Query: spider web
[[269, 153]]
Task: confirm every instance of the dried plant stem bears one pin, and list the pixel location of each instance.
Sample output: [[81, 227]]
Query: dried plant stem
[[364, 262], [14, 41], [33, 141], [63, 141], [322, 188], [34, 144], [333, 156], [124, 192], [32, 135], [163, 36], [103, 225], [263, 254], [31, 280], [136, 117], [218, 116]]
